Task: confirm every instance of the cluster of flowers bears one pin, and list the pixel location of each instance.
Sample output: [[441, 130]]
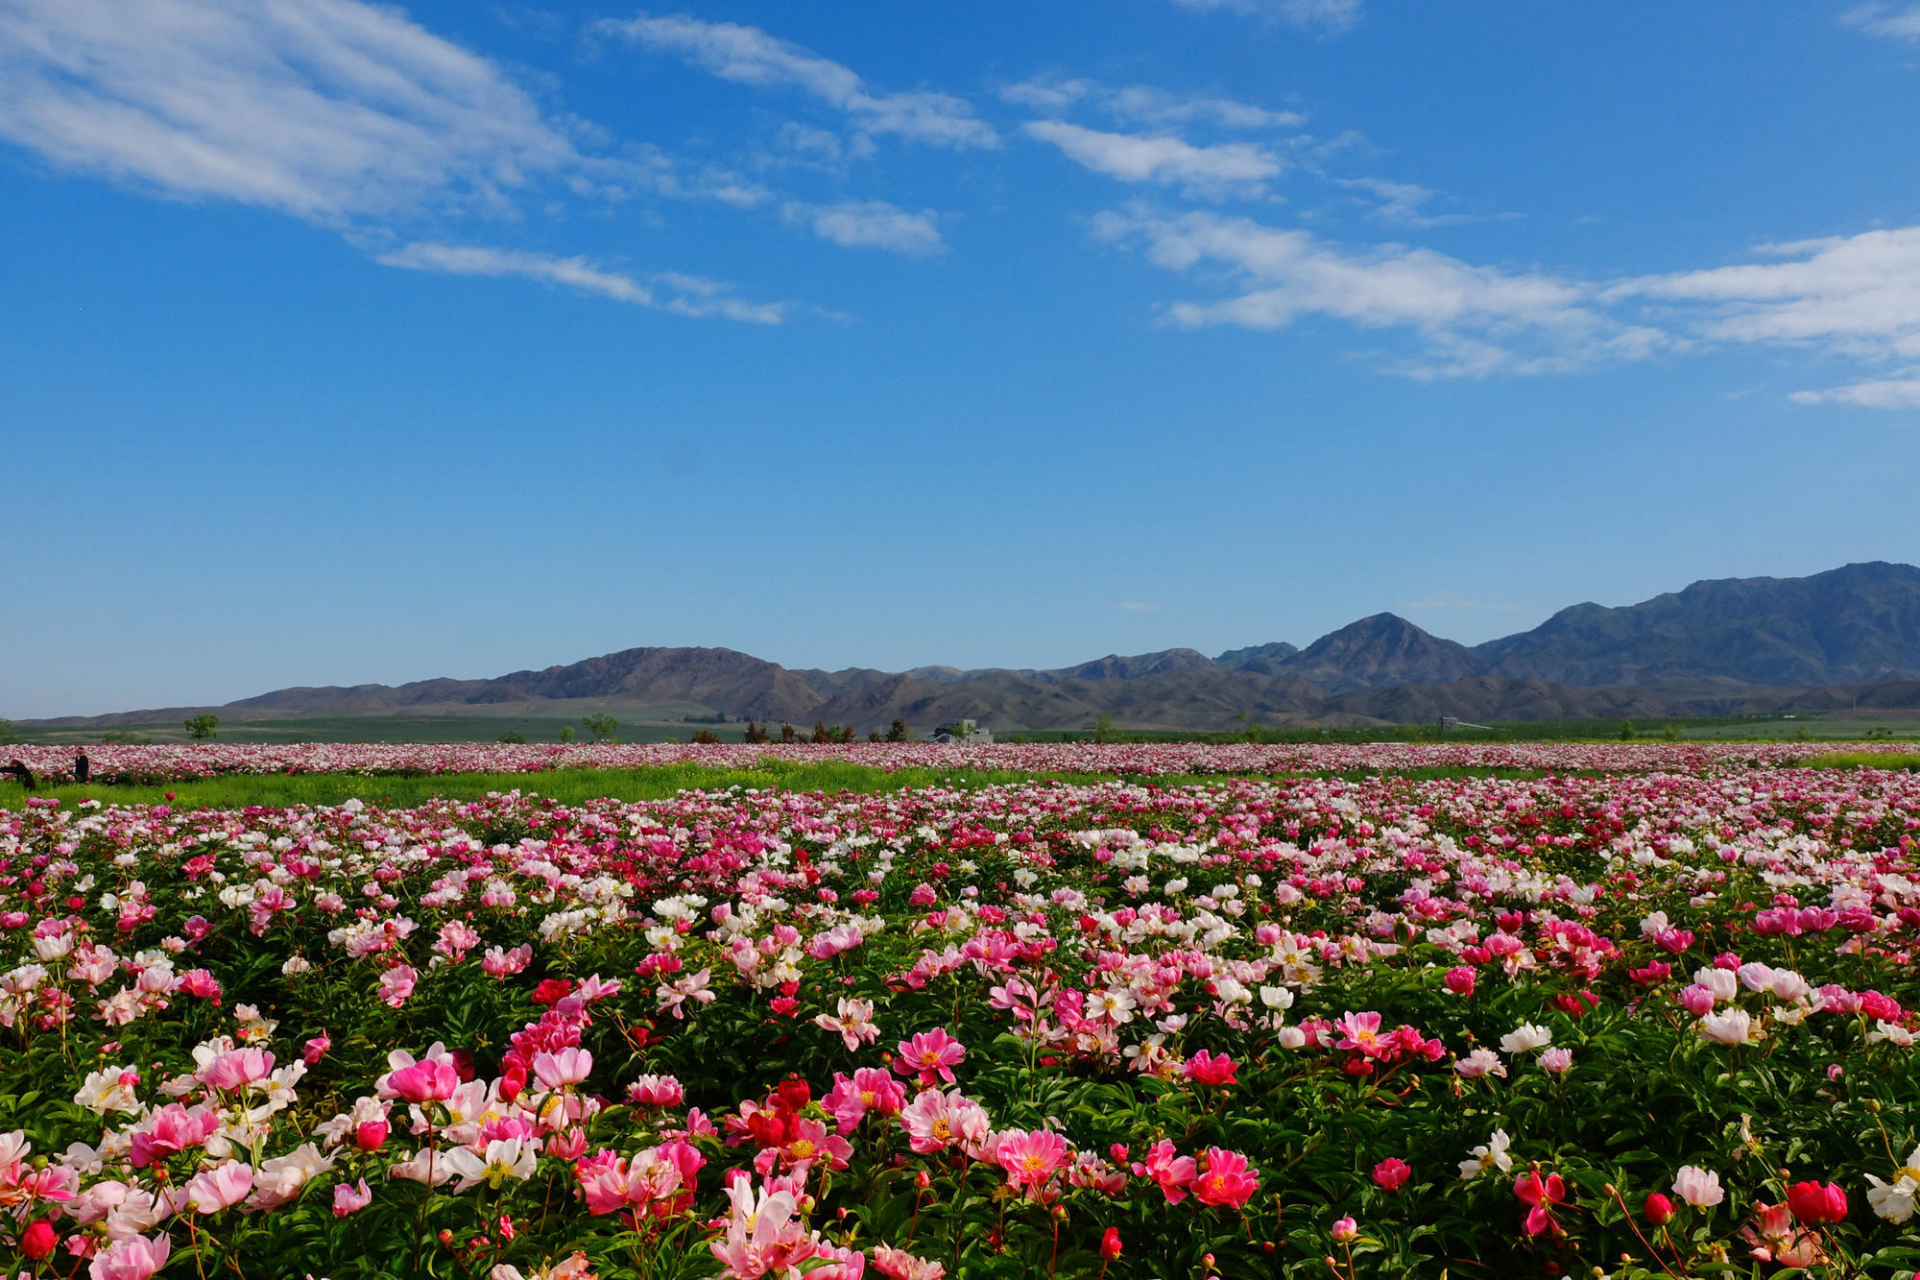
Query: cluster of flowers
[[184, 761], [1197, 1029]]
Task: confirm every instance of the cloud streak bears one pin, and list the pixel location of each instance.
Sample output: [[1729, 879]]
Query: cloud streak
[[680, 294], [328, 110], [1889, 22], [1144, 104], [1471, 320], [871, 224], [1206, 172], [751, 56], [1853, 295], [1330, 16]]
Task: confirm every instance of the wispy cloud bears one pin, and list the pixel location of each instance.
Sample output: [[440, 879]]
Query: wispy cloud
[[1853, 295], [871, 224], [1890, 22], [324, 109], [749, 55], [1404, 203], [669, 291], [1144, 104], [1902, 392], [1331, 16], [1471, 320], [1206, 172], [340, 113]]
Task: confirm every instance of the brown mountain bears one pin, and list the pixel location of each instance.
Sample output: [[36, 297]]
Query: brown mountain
[[1736, 646]]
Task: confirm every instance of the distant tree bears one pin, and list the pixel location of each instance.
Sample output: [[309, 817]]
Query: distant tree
[[566, 733], [705, 738], [1102, 727], [8, 734], [511, 737], [789, 734], [1626, 731], [875, 736], [1670, 733], [897, 732], [600, 725], [756, 733], [202, 727], [846, 733], [820, 733], [126, 735]]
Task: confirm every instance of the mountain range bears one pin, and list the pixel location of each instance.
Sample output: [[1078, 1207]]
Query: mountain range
[[1849, 636]]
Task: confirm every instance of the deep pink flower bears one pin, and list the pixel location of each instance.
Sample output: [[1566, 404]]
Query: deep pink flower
[[1173, 1173], [1817, 1202], [432, 1080], [1031, 1159], [1226, 1180], [931, 1055], [1215, 1070], [1392, 1173]]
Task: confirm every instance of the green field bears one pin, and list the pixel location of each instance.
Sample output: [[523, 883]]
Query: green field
[[569, 786]]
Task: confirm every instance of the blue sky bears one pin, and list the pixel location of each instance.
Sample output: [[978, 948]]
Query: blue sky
[[343, 342]]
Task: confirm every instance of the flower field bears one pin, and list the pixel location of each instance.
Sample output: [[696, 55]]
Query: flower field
[[180, 762], [1648, 1019]]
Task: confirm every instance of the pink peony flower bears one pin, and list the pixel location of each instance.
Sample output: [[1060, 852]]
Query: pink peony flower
[[1215, 1070], [220, 1187], [396, 985], [1173, 1173], [133, 1258], [656, 1091], [898, 1264], [1698, 1187], [431, 1080], [1392, 1173], [1817, 1202], [1031, 1159], [1225, 1181], [236, 1068], [349, 1200], [930, 1054], [556, 1071]]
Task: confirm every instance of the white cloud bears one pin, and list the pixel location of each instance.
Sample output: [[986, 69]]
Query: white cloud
[[748, 55], [1144, 104], [872, 224], [681, 294], [1325, 15], [1230, 167], [1404, 202], [324, 109], [1885, 393], [1472, 320], [1853, 295], [1885, 20]]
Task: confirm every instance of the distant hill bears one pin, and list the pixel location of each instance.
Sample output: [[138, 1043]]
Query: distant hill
[[1725, 647], [1858, 623]]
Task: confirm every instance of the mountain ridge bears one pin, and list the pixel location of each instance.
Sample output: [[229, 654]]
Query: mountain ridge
[[1721, 642]]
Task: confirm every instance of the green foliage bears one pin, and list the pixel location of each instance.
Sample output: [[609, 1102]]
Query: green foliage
[[566, 733], [8, 734], [511, 737], [600, 725], [202, 727]]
